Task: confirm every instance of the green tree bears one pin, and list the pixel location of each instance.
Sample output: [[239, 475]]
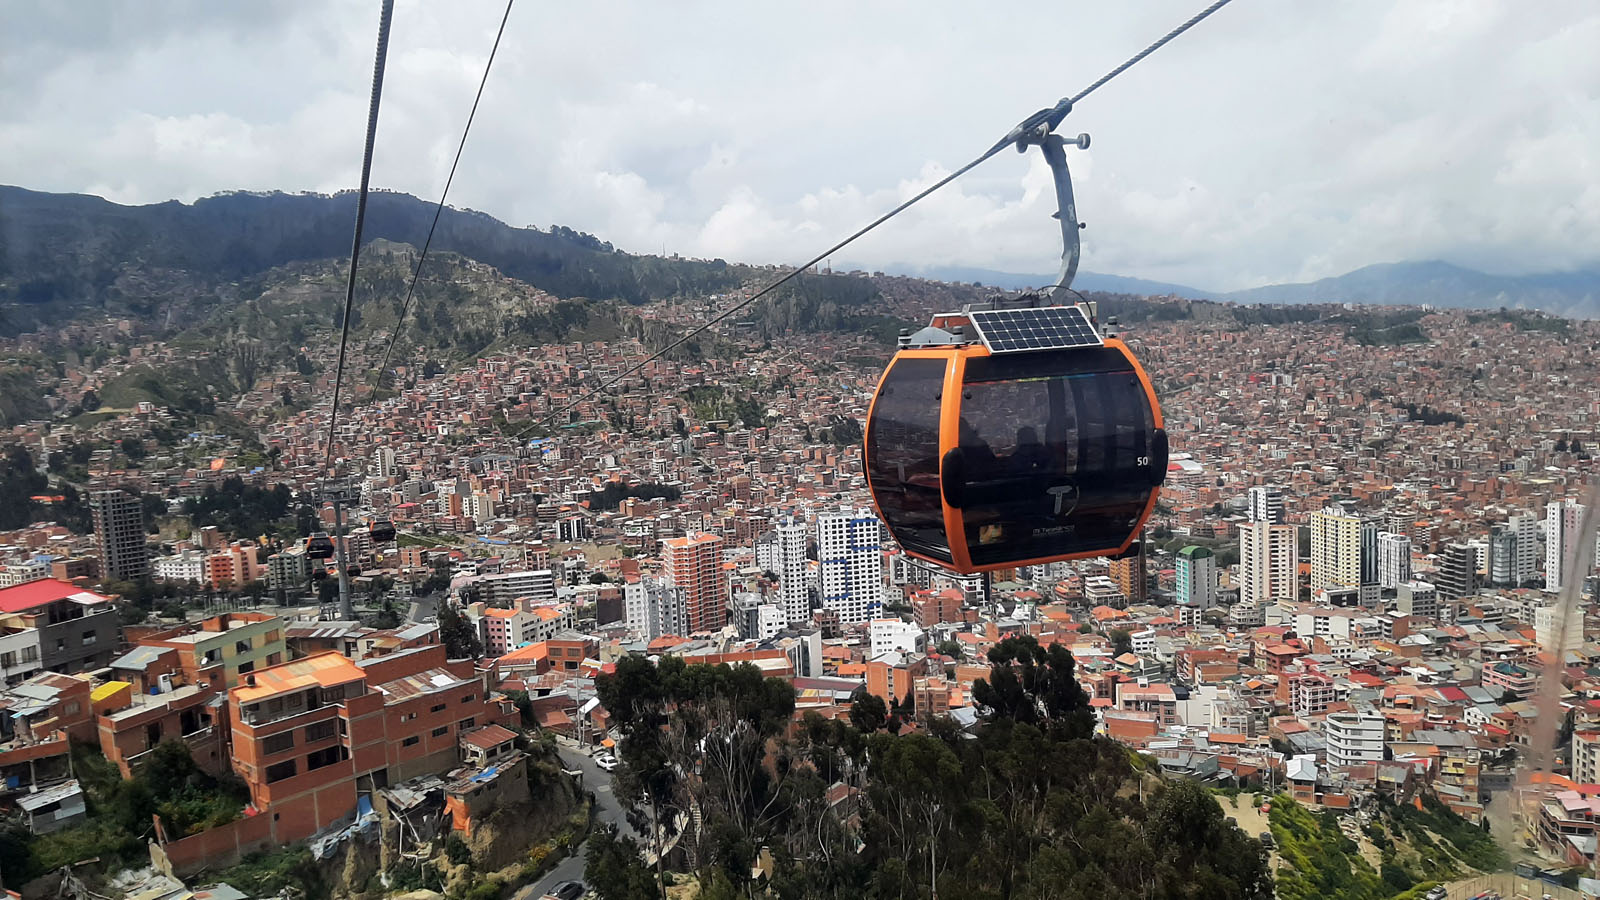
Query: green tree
[[1121, 641], [868, 712], [457, 634], [1033, 685], [613, 869]]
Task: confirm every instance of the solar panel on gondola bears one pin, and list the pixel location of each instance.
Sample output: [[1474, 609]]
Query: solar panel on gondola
[[1050, 328]]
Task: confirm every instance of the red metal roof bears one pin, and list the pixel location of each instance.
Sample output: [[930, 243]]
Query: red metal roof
[[38, 593]]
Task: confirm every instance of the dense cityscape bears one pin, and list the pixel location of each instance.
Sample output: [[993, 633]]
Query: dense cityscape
[[358, 542], [1346, 595]]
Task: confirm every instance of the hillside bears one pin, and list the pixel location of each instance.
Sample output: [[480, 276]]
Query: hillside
[[66, 255]]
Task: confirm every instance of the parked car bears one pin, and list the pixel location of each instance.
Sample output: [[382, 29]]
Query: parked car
[[606, 761], [1437, 893], [1267, 841], [566, 890]]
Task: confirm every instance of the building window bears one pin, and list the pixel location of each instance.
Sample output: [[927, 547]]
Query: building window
[[71, 709], [280, 771], [88, 638], [324, 757], [241, 646], [469, 698], [246, 667], [321, 731], [61, 644], [410, 741], [441, 731], [464, 724], [278, 743], [437, 708]]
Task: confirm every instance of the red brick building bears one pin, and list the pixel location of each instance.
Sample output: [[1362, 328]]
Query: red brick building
[[311, 734]]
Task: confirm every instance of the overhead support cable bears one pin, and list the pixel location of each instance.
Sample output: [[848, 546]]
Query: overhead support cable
[[1046, 119], [438, 210], [361, 216]]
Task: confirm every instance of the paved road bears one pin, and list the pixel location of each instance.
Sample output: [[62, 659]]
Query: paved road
[[607, 811]]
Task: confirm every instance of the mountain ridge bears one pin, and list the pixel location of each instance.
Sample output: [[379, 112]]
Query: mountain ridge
[[66, 254], [1574, 293]]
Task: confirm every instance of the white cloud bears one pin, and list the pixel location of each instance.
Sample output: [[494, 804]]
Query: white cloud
[[1274, 142]]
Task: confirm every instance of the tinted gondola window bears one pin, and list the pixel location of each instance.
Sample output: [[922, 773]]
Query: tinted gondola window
[[1054, 460], [903, 455]]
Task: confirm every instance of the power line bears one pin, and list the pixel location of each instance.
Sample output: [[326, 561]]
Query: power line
[[1052, 116], [361, 213], [438, 210]]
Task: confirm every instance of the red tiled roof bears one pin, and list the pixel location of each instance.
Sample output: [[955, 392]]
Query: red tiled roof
[[38, 593], [489, 736]]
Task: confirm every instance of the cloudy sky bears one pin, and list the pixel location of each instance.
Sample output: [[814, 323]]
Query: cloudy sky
[[1277, 141]]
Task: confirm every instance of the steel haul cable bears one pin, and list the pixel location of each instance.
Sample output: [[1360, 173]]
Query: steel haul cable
[[361, 214], [1053, 115], [438, 210]]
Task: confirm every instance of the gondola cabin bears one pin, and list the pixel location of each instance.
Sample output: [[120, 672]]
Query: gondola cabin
[[381, 530], [1011, 437], [319, 546]]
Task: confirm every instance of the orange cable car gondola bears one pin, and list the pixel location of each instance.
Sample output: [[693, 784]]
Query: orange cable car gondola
[[1016, 435], [319, 546]]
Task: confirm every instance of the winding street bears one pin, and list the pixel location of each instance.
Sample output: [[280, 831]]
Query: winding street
[[607, 811]]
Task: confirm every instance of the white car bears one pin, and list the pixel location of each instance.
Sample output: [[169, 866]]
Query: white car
[[606, 761]]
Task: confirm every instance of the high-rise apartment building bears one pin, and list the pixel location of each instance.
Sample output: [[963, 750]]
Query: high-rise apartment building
[[1267, 563], [654, 606], [1335, 550], [1585, 754], [1458, 572], [1130, 574], [850, 553], [694, 563], [794, 572], [1514, 551], [1561, 523], [1196, 578], [1394, 559], [119, 529], [1266, 505], [1371, 527], [386, 462]]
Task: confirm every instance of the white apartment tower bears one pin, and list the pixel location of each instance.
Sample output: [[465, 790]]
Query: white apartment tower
[[386, 462], [1561, 523], [1354, 738], [1267, 564], [1514, 551], [794, 571], [1266, 505], [850, 552], [1394, 559], [653, 606]]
